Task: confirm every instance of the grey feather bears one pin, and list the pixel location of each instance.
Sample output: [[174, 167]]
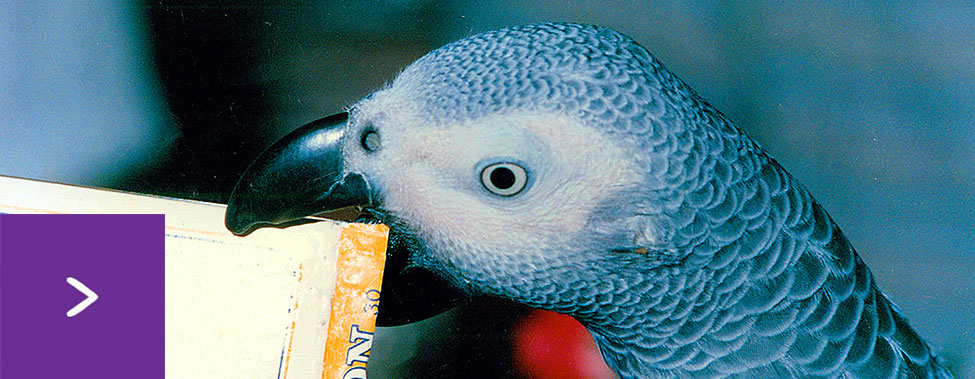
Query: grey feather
[[751, 278]]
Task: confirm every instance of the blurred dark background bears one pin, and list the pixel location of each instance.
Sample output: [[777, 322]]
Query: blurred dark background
[[870, 105]]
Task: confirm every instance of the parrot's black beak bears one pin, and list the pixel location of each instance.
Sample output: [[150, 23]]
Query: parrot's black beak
[[303, 174], [298, 176]]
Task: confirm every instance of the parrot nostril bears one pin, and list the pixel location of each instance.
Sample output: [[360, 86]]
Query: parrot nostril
[[370, 140]]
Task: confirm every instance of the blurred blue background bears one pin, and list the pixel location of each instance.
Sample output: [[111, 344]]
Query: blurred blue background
[[871, 105]]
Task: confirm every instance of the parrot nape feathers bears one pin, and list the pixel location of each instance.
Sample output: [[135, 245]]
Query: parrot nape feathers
[[563, 167]]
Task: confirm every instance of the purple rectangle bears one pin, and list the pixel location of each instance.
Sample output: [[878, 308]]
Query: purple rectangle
[[121, 258]]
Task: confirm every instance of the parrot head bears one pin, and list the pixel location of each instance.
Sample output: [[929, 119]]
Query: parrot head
[[563, 167], [517, 163]]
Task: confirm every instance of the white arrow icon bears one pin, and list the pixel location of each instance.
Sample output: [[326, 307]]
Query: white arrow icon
[[92, 296]]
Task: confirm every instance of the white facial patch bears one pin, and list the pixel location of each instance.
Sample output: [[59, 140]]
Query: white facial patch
[[430, 178]]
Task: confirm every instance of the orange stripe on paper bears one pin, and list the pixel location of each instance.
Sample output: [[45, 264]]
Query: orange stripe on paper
[[362, 254], [291, 336]]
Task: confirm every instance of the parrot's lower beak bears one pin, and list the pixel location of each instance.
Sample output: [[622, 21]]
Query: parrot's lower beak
[[298, 176], [303, 174]]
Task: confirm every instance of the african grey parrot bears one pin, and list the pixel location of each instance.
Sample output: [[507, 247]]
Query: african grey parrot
[[563, 167]]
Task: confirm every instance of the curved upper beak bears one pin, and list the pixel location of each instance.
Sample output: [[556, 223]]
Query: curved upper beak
[[301, 174]]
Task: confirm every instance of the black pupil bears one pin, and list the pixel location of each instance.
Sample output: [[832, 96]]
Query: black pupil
[[502, 178]]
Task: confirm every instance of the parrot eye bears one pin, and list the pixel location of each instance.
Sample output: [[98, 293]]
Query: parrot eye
[[504, 179], [370, 140]]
